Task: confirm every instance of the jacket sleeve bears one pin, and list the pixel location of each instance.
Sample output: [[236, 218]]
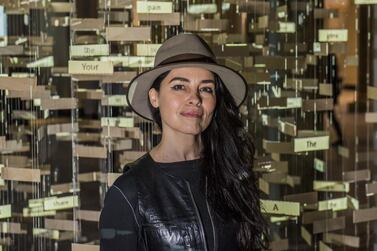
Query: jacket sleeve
[[118, 223]]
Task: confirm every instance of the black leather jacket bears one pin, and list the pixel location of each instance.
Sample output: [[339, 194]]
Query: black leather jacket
[[166, 213]]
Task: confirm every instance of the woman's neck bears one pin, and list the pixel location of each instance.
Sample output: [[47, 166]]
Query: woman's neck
[[177, 149]]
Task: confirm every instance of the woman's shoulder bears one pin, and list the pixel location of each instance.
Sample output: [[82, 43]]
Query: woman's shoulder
[[131, 172]]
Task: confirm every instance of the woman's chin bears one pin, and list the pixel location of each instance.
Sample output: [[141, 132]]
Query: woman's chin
[[192, 131], [187, 127]]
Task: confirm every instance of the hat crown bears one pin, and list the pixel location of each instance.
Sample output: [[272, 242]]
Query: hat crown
[[184, 46]]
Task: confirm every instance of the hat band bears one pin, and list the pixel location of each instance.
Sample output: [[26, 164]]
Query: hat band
[[187, 58]]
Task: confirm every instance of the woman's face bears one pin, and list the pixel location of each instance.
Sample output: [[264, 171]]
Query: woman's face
[[186, 100]]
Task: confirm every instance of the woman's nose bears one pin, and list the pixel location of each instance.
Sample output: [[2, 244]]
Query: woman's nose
[[195, 98]]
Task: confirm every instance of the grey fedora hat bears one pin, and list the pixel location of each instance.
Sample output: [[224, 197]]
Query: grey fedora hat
[[182, 50]]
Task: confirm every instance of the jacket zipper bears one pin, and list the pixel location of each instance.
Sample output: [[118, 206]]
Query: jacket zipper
[[210, 216], [198, 216]]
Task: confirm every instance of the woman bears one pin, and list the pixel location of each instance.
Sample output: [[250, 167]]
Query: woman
[[195, 190]]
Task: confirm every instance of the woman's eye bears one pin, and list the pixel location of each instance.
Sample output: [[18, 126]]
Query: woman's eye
[[208, 89], [178, 87]]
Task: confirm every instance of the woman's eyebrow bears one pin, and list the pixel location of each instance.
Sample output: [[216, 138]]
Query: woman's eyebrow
[[179, 78], [208, 81], [187, 80]]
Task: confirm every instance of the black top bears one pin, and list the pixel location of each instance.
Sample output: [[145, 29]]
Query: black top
[[116, 215]]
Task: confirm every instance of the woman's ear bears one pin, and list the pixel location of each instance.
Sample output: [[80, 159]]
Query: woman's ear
[[153, 97]]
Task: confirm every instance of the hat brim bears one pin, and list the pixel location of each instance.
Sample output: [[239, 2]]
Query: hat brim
[[137, 92]]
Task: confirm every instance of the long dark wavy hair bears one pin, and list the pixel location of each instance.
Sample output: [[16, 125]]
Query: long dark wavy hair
[[228, 155]]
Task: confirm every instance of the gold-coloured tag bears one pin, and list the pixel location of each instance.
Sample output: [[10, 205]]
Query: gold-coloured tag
[[324, 247], [333, 35], [281, 207], [5, 211], [264, 186], [365, 1], [333, 204], [311, 144], [306, 235], [287, 27], [331, 186], [48, 233], [61, 203], [319, 165]]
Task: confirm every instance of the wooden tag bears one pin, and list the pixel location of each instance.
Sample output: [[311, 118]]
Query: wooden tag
[[166, 19], [301, 84], [277, 146], [11, 228], [323, 104], [90, 94], [310, 217], [198, 9], [340, 239], [87, 215], [128, 33], [154, 7], [114, 100], [358, 175], [364, 215], [57, 7], [117, 121], [89, 50], [57, 224], [147, 49], [87, 24], [371, 117], [58, 103], [63, 188], [21, 174], [329, 225], [303, 198], [111, 177], [279, 245], [84, 151], [371, 188], [90, 67], [84, 247], [130, 156], [17, 83], [11, 50]]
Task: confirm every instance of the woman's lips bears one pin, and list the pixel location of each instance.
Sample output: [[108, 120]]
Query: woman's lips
[[191, 114]]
